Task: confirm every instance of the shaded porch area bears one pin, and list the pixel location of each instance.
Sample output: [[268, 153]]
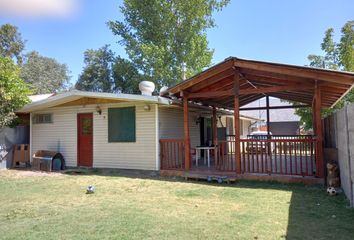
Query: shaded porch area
[[267, 157], [235, 82]]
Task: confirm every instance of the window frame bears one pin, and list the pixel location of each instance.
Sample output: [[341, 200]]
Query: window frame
[[37, 116]]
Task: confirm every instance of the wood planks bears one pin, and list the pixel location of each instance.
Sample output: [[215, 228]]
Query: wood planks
[[172, 154]]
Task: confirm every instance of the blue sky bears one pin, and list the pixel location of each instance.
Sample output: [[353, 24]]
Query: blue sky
[[273, 30]]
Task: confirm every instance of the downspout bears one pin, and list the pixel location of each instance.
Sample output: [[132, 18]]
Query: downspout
[[157, 138], [30, 138]]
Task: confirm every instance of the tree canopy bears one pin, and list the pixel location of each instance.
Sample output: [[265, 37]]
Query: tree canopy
[[13, 91], [126, 77], [97, 73], [337, 56], [43, 74], [11, 42], [160, 37]]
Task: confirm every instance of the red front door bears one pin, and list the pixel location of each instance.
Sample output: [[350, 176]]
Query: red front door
[[84, 139]]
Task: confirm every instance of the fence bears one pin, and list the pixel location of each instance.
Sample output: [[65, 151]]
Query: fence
[[9, 137], [172, 154], [339, 134]]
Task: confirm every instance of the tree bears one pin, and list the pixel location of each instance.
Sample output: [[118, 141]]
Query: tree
[[43, 74], [13, 91], [338, 56], [11, 42], [161, 36], [97, 73], [126, 77]]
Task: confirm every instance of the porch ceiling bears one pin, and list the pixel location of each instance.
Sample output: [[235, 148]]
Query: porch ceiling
[[214, 86]]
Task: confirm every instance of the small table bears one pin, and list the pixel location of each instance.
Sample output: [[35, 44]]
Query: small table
[[197, 153]]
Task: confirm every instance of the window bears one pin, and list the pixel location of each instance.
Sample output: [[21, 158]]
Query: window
[[42, 118], [121, 124], [86, 128]]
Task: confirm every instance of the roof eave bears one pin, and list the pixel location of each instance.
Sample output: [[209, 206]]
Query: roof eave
[[74, 95]]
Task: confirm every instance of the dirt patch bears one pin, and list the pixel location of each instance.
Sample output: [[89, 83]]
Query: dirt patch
[[13, 173]]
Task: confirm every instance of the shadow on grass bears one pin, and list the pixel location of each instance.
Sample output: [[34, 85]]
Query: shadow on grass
[[312, 213]]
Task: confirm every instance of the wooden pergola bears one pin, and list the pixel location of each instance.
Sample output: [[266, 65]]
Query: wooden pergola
[[236, 82]]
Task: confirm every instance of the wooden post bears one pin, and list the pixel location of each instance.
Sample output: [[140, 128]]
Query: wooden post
[[268, 118], [269, 149], [313, 116], [318, 131], [187, 146], [215, 130], [215, 133], [237, 121]]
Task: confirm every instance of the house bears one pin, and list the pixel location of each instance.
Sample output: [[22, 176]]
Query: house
[[165, 132], [282, 121], [107, 130]]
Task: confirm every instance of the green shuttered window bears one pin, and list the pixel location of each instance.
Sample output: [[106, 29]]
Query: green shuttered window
[[121, 124]]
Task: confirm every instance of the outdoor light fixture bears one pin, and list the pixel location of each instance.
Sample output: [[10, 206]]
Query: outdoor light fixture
[[98, 110], [147, 107]]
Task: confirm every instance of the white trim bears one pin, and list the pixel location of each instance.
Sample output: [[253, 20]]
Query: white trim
[[30, 137], [157, 137], [65, 97]]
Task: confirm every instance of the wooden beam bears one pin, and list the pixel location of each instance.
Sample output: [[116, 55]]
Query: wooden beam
[[230, 92], [319, 134], [274, 89], [209, 73], [329, 76], [187, 145], [274, 107], [89, 101], [212, 94], [237, 121], [220, 78], [274, 80]]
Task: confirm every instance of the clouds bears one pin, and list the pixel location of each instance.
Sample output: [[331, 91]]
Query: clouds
[[38, 8]]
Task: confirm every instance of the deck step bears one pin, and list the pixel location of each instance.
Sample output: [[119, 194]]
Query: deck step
[[209, 177]]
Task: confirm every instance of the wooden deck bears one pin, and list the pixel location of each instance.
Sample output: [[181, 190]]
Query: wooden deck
[[204, 173], [285, 160], [270, 164]]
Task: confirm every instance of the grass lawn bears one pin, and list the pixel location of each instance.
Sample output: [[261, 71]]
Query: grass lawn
[[127, 207]]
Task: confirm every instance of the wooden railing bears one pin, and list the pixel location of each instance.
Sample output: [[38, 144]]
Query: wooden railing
[[172, 154], [226, 156], [279, 156]]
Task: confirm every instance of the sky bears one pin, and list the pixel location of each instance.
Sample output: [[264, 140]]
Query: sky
[[272, 30]]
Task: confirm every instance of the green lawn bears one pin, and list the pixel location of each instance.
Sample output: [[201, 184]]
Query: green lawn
[[128, 207]]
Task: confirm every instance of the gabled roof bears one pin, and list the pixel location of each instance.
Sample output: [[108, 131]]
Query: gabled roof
[[40, 97], [75, 95], [289, 82]]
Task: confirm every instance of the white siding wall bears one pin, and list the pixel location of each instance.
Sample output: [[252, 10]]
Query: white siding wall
[[61, 136], [171, 124], [243, 125]]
